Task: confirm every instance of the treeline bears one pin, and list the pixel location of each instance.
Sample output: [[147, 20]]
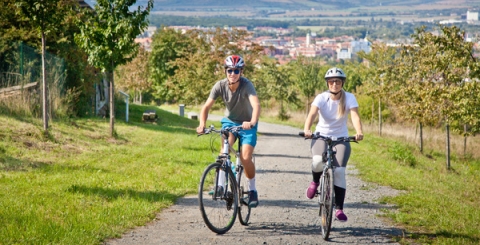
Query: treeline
[[433, 82]]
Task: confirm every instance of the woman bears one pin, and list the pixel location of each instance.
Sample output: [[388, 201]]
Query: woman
[[333, 107]]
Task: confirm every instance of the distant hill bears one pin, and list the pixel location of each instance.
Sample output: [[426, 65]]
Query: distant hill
[[284, 5], [279, 4]]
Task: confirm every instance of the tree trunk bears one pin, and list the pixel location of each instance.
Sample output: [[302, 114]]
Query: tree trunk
[[465, 140], [112, 105], [44, 86], [421, 137], [379, 117], [373, 113], [448, 146]]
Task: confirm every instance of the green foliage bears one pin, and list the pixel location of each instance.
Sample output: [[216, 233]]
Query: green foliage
[[167, 46], [432, 82], [44, 15], [108, 33], [185, 73], [307, 74], [276, 84], [402, 154]]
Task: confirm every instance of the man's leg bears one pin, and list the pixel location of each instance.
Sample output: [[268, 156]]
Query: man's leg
[[246, 158]]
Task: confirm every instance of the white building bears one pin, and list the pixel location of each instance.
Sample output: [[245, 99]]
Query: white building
[[361, 45], [472, 16], [344, 53]]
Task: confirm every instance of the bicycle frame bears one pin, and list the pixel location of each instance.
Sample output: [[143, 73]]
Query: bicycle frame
[[326, 194], [225, 158], [221, 209]]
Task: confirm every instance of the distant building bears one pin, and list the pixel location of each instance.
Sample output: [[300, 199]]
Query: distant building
[[450, 21], [472, 16], [344, 53], [361, 45], [145, 42]]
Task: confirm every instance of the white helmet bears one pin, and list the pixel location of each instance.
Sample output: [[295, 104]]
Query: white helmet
[[335, 72]]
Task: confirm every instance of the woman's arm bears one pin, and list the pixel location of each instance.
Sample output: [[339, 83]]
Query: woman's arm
[[357, 123], [312, 114]]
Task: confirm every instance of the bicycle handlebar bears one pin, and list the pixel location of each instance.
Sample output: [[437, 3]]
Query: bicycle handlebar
[[233, 129], [327, 138]]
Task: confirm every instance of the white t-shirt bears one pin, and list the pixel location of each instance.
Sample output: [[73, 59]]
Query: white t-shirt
[[328, 123]]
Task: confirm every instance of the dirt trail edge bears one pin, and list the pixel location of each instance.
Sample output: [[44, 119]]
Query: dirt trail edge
[[285, 215]]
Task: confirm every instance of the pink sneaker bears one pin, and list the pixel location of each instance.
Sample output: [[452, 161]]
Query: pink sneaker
[[312, 190], [341, 216]]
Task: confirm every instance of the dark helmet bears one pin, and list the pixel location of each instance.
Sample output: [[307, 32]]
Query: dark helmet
[[234, 61], [335, 72]]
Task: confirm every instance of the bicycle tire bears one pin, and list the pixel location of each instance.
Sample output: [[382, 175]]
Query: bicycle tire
[[218, 213], [243, 208], [326, 200]]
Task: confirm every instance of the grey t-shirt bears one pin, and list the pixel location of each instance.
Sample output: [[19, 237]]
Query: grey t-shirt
[[238, 105]]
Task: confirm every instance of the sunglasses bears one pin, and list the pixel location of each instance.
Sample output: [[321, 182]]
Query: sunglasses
[[334, 81], [235, 71]]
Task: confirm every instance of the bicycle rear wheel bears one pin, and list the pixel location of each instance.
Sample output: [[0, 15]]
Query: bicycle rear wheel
[[218, 208], [326, 200], [243, 208]]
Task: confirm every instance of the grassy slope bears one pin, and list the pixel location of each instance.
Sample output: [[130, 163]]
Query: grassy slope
[[78, 186]]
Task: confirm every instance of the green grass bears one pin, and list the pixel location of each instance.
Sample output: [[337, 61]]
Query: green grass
[[76, 185], [438, 206]]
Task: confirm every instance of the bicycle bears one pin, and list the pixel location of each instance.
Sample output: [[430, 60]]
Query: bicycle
[[325, 192], [222, 192]]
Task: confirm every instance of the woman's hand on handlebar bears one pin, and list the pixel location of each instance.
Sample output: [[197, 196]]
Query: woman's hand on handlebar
[[358, 136], [307, 133]]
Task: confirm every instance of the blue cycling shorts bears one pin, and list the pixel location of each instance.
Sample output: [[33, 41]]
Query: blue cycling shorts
[[248, 137]]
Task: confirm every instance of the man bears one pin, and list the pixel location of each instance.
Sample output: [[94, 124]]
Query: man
[[243, 109]]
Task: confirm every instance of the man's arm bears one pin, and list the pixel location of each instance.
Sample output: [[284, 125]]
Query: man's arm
[[255, 113], [204, 115]]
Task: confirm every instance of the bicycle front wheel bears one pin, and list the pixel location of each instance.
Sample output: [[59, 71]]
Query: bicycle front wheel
[[326, 200], [218, 208], [243, 208]]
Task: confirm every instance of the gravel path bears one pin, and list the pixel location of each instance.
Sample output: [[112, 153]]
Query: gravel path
[[285, 215]]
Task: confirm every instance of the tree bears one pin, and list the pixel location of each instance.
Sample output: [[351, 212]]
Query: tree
[[379, 78], [202, 63], [46, 16], [133, 76], [167, 46], [278, 85], [308, 78], [437, 70], [108, 38]]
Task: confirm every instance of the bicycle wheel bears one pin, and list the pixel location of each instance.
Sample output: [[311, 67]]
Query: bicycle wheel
[[326, 200], [243, 208], [219, 209]]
